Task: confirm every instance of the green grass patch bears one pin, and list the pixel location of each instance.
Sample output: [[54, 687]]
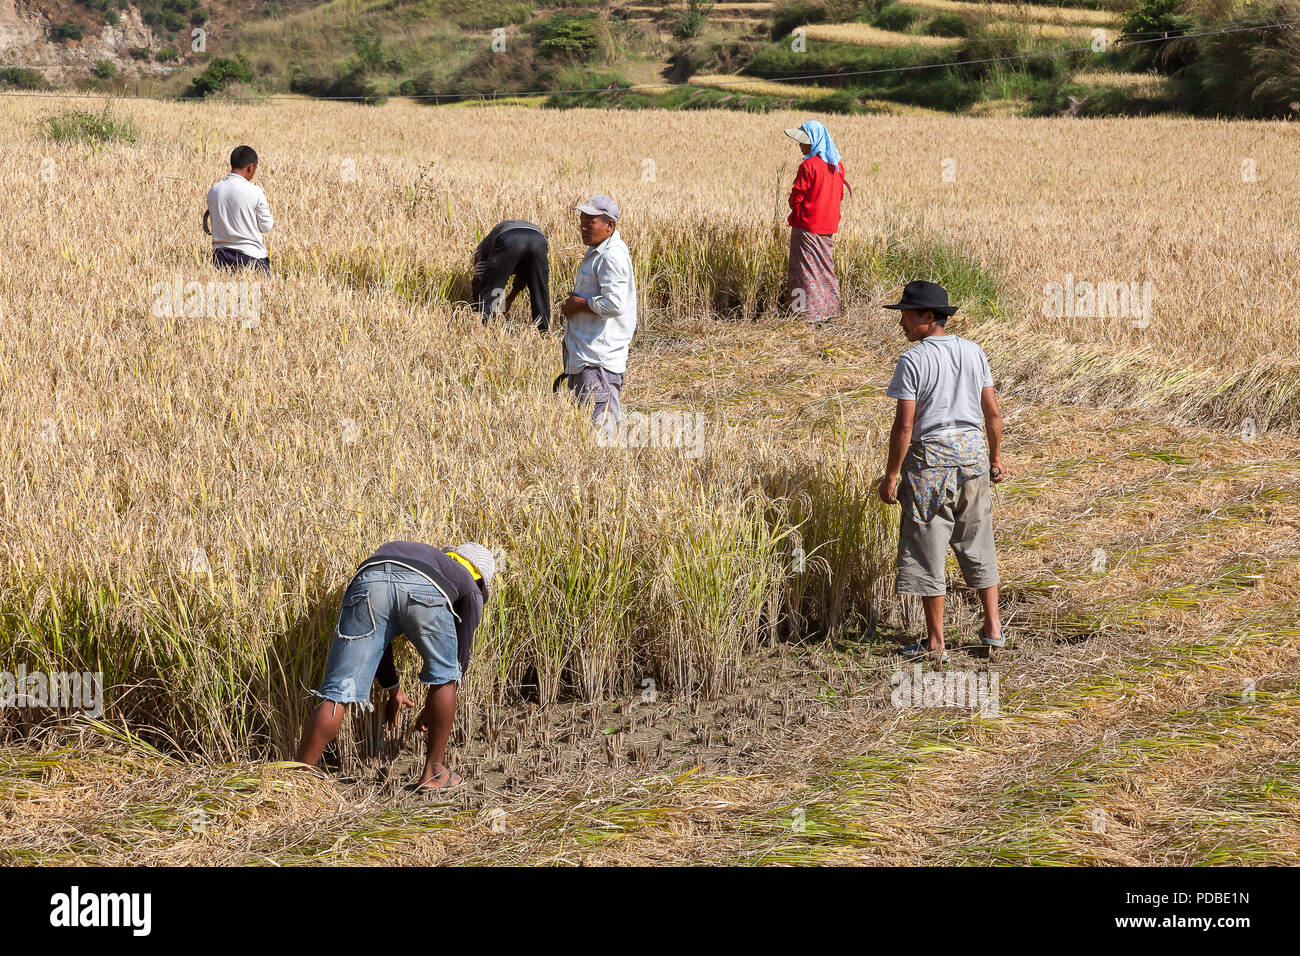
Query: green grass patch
[[83, 126], [20, 78]]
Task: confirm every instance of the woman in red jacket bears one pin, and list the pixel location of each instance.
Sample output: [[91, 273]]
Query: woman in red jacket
[[814, 219]]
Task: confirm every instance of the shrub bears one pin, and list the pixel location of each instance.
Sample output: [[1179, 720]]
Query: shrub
[[707, 98], [692, 20], [788, 16], [368, 48], [572, 79], [948, 25], [1250, 74], [895, 16], [168, 53], [517, 70], [170, 16], [21, 78], [63, 32], [104, 69], [345, 82], [218, 73], [566, 37], [425, 83], [1150, 19], [596, 89]]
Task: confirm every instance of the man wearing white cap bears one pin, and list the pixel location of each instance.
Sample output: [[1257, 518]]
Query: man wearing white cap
[[433, 596], [601, 314]]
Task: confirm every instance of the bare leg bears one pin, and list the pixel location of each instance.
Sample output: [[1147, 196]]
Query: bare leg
[[933, 622], [321, 731], [992, 623], [439, 710]]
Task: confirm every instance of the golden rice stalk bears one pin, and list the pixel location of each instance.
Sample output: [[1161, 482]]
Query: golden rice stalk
[[860, 34], [1050, 31], [1022, 11], [1139, 84]]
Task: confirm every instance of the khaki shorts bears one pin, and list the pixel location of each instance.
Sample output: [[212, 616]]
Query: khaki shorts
[[966, 523]]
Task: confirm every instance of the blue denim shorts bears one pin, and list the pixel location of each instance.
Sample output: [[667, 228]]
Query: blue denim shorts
[[382, 601]]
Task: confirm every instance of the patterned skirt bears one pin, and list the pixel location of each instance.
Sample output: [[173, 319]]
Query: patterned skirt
[[813, 288]]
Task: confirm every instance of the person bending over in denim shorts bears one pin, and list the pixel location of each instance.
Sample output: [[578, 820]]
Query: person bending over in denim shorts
[[435, 597]]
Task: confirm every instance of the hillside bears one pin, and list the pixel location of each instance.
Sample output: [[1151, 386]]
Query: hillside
[[1092, 57]]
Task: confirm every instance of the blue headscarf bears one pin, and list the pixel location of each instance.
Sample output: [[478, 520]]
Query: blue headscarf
[[822, 144]]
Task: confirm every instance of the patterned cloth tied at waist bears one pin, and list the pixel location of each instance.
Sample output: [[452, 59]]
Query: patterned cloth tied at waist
[[937, 465]]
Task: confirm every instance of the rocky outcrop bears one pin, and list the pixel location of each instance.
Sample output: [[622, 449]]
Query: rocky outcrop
[[25, 42]]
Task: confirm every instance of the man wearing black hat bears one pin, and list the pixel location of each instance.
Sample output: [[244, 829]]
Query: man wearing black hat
[[940, 463]]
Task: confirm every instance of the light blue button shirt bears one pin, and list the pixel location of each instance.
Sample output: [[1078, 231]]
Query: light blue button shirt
[[600, 336]]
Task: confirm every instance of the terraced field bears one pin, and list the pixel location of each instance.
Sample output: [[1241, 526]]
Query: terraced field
[[735, 18], [860, 34], [952, 55]]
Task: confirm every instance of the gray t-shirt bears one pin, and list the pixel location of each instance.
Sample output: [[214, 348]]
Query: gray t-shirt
[[944, 375]]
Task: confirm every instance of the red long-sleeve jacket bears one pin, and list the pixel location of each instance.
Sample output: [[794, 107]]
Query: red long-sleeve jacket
[[816, 196]]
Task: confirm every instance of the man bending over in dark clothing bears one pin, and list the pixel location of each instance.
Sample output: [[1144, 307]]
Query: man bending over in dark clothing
[[517, 249]]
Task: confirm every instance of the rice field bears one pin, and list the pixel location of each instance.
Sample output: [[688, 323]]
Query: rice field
[[1073, 33], [187, 492], [862, 34], [759, 7], [233, 470], [738, 83], [1139, 84], [1023, 11], [741, 84]]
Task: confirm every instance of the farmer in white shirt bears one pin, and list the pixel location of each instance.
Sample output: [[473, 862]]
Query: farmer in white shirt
[[601, 314], [239, 215]]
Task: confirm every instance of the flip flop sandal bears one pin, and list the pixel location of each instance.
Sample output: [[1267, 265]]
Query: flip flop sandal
[[447, 784], [999, 641], [920, 650]]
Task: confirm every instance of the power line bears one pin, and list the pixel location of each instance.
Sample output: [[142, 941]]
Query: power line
[[660, 87]]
